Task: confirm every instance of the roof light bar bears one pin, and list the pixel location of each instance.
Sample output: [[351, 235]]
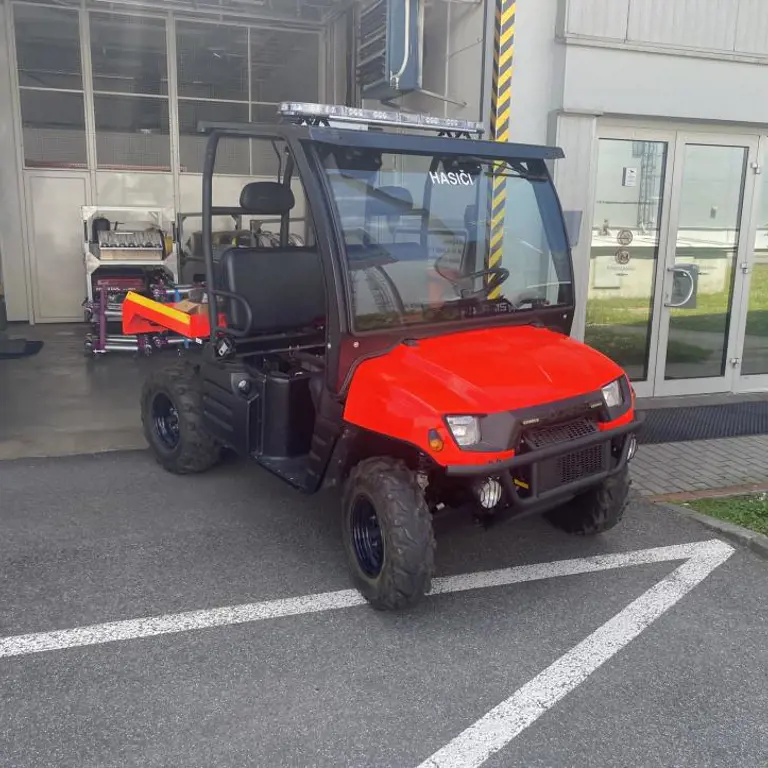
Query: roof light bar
[[335, 113]]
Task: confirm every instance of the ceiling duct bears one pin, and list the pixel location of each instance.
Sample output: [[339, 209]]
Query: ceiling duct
[[390, 48]]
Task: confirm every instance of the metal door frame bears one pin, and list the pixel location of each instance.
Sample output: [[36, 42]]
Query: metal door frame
[[757, 382], [725, 382]]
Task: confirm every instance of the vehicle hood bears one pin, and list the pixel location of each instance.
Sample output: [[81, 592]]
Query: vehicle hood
[[486, 371]]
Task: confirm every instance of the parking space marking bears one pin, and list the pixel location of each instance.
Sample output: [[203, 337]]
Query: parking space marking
[[131, 629], [504, 722]]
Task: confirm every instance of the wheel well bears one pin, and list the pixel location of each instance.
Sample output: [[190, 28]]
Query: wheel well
[[356, 444], [367, 444]]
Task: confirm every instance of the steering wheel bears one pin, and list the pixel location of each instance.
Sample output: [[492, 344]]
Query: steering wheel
[[497, 274]]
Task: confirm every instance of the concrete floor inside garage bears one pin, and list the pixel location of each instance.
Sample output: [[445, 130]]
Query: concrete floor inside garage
[[60, 402]]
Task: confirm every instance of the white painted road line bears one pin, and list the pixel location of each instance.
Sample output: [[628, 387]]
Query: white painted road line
[[131, 629], [503, 723]]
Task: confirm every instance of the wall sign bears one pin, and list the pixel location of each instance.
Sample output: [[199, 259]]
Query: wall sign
[[622, 256]]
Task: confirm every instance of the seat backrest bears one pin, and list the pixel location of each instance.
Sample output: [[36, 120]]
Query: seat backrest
[[283, 287]]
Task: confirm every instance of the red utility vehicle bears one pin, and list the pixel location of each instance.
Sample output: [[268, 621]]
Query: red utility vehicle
[[413, 351]]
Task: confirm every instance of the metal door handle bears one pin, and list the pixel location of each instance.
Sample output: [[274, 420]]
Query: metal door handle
[[679, 270]]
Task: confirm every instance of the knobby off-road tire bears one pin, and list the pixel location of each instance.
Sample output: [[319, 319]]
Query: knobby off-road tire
[[597, 510], [176, 390], [407, 551]]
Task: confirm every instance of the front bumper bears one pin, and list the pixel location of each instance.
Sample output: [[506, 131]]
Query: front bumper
[[608, 451]]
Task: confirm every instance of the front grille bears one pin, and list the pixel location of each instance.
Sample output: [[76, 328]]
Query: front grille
[[559, 433], [572, 467]]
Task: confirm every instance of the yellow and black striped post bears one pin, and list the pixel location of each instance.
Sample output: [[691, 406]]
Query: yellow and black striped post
[[501, 102]]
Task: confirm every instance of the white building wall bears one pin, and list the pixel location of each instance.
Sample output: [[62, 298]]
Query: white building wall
[[648, 84], [684, 60], [720, 27]]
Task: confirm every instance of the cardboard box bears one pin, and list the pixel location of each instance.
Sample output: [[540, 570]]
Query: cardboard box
[[190, 307]]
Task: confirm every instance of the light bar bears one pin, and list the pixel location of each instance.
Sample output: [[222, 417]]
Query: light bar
[[336, 113]]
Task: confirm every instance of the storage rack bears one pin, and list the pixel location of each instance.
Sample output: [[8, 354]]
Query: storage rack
[[136, 242]]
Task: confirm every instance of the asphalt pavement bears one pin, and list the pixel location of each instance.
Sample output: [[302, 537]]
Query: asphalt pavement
[[111, 537]]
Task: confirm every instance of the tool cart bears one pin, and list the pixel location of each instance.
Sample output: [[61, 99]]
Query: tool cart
[[127, 249]]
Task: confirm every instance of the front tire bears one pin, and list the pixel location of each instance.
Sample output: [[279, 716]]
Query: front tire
[[172, 417], [597, 510], [387, 533]]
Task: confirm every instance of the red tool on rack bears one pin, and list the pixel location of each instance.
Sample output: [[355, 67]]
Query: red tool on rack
[[144, 315]]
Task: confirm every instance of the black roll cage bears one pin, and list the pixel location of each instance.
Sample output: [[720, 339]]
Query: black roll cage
[[346, 347]]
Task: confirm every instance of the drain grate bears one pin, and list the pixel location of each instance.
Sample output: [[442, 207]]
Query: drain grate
[[710, 422]]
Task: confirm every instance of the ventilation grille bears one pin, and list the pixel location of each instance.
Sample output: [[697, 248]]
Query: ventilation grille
[[372, 47], [559, 433], [572, 467]]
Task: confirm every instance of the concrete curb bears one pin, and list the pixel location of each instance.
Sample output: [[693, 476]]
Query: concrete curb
[[757, 542], [709, 493]]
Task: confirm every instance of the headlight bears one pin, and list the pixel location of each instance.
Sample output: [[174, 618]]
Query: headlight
[[612, 394], [465, 429]]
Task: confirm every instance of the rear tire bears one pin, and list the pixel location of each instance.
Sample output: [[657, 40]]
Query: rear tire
[[597, 510], [387, 533], [172, 417]]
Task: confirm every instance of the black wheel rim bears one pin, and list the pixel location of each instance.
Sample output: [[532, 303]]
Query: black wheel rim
[[166, 421], [367, 540]]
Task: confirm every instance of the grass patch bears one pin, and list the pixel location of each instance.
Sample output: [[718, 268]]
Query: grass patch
[[628, 349], [749, 511]]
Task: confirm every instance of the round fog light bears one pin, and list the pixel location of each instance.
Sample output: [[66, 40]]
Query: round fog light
[[488, 493], [632, 450]]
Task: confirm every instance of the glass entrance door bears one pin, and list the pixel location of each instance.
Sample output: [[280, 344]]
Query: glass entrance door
[[678, 275], [629, 225], [701, 273]]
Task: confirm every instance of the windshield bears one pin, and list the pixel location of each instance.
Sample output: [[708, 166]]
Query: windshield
[[437, 239]]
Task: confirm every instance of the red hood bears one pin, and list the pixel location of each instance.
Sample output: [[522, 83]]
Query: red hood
[[490, 370], [407, 392]]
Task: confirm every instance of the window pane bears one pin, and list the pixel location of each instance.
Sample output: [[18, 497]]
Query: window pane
[[705, 252], [212, 61], [284, 65], [231, 154], [128, 54], [132, 132], [48, 47], [263, 159], [54, 129], [624, 251]]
